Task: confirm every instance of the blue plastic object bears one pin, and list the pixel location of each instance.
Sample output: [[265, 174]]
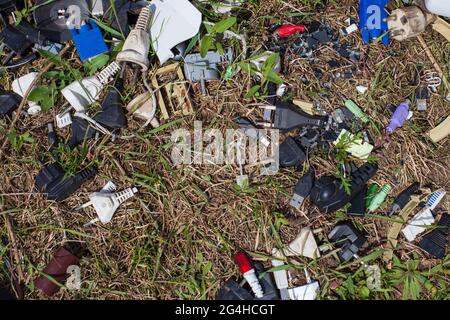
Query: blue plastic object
[[372, 20], [89, 40]]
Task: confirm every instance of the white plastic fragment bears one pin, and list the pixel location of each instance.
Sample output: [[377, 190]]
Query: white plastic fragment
[[307, 291], [21, 86], [361, 89], [63, 120], [174, 21], [303, 245], [414, 227]]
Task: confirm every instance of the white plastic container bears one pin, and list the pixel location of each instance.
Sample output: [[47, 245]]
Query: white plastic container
[[439, 7]]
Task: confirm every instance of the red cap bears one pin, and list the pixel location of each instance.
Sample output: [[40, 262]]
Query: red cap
[[243, 261], [289, 29]]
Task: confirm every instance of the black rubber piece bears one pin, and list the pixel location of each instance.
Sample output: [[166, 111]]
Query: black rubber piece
[[348, 238], [291, 154], [112, 114], [9, 102]]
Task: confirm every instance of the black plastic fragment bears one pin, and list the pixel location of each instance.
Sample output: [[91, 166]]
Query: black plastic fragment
[[9, 101], [81, 131], [348, 238], [112, 114], [436, 241], [291, 154]]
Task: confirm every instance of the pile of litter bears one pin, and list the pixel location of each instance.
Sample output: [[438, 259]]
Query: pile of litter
[[94, 75]]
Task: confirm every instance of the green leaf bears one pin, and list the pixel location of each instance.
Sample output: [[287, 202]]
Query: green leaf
[[205, 45], [109, 29], [273, 76], [43, 95], [224, 25], [220, 49], [253, 91], [192, 43], [96, 64]]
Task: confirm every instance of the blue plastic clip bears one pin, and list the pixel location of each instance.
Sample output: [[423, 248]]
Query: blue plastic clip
[[89, 40], [372, 20]]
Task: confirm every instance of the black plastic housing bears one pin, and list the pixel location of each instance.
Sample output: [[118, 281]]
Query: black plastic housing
[[291, 154], [112, 115], [9, 101], [329, 195], [436, 241], [52, 181], [348, 238]]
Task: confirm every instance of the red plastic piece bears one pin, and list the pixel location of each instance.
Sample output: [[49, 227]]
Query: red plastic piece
[[289, 29], [243, 262]]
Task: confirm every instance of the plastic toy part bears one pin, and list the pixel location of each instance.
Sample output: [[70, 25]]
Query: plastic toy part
[[88, 40], [404, 197], [52, 181], [399, 117], [9, 102], [21, 86], [136, 47], [202, 69], [372, 20], [414, 227], [302, 189], [55, 18], [436, 241], [286, 116], [291, 154], [288, 30], [106, 203], [249, 273], [64, 257], [81, 94], [348, 238], [329, 195], [408, 22], [379, 198], [174, 21]]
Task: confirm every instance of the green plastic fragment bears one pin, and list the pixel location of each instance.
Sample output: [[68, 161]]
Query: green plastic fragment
[[371, 192], [379, 198], [356, 110]]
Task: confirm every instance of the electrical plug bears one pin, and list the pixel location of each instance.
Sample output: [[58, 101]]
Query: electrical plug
[[112, 115], [106, 202], [286, 116], [21, 86], [137, 44], [251, 131], [52, 180], [379, 198], [81, 94], [82, 130]]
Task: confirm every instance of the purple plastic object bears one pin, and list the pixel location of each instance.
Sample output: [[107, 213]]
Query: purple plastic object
[[399, 117]]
